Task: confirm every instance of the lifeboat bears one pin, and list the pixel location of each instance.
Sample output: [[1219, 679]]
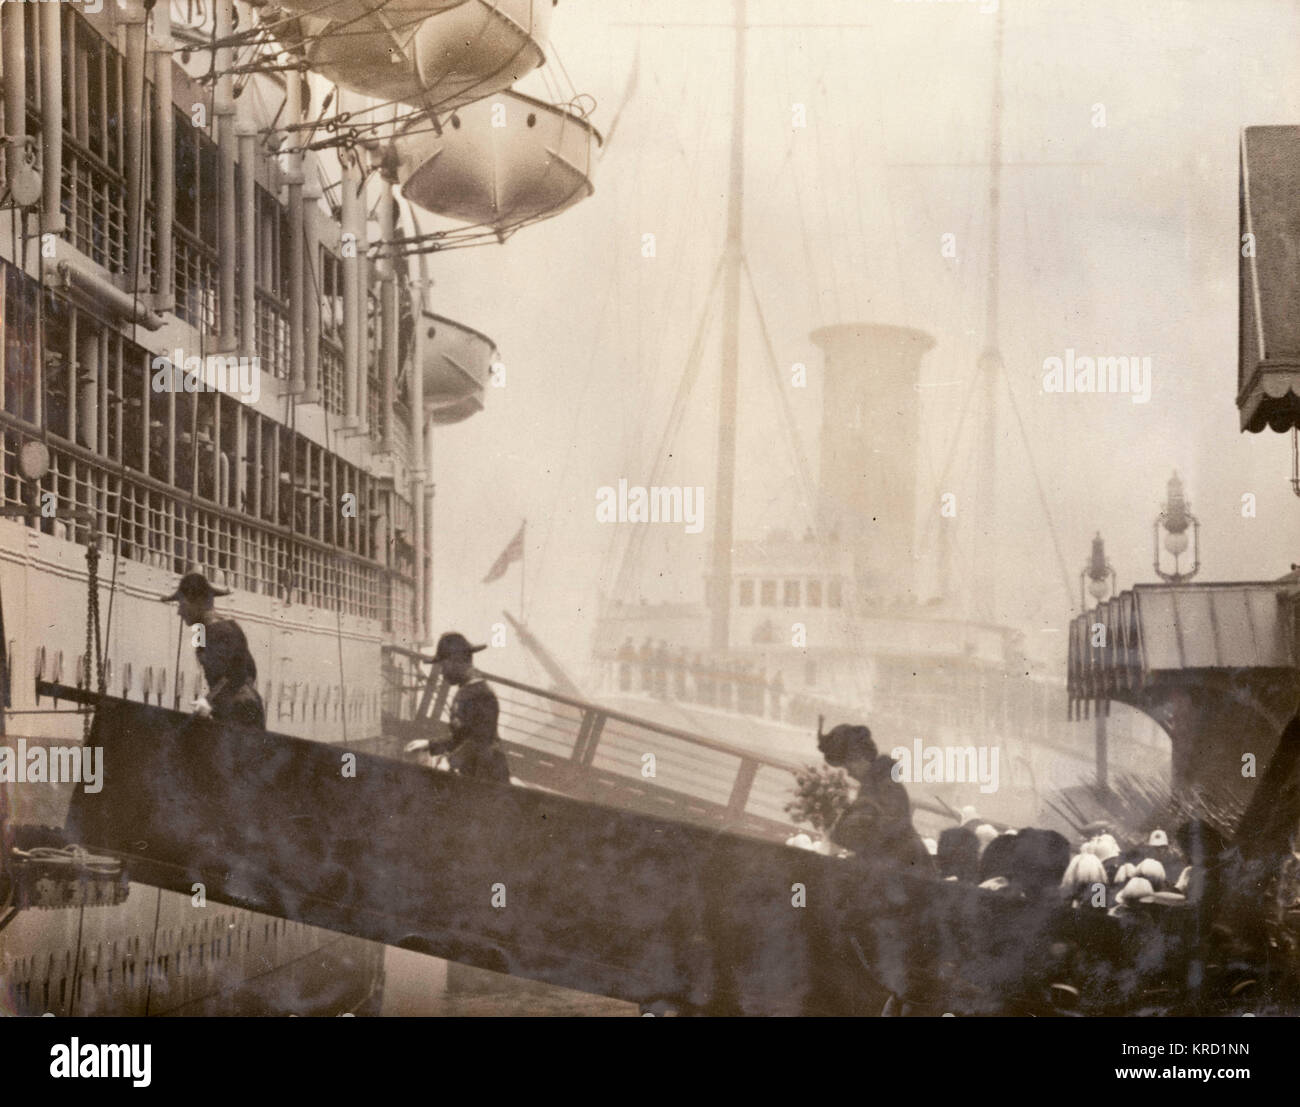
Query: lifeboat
[[535, 165], [457, 361], [427, 53], [480, 48]]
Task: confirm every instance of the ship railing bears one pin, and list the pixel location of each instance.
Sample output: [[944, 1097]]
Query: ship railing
[[167, 528], [272, 326], [194, 279], [331, 375], [400, 436], [94, 206]]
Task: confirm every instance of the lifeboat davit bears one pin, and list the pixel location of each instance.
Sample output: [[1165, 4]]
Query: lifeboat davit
[[449, 57], [398, 12], [534, 162], [457, 363]]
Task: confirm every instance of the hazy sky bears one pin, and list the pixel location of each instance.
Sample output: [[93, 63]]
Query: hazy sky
[[1119, 240]]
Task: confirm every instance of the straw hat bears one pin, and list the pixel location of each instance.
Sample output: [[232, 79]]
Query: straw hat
[[1135, 891]]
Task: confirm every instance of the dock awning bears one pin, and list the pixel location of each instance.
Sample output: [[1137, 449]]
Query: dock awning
[[1153, 629], [1268, 367]]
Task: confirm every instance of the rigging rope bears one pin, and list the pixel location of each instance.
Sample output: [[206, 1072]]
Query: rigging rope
[[685, 385], [1042, 497], [92, 628]]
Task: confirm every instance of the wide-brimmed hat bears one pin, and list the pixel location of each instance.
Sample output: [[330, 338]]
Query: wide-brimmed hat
[[453, 644], [1135, 891], [845, 741], [1153, 870], [1104, 847], [195, 586]]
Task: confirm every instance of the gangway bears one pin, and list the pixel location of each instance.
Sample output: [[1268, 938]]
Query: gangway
[[622, 903], [590, 752]]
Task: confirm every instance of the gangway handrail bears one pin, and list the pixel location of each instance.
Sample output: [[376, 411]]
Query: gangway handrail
[[647, 724], [620, 716], [749, 761]]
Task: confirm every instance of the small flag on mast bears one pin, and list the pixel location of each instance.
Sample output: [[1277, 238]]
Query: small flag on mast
[[512, 553]]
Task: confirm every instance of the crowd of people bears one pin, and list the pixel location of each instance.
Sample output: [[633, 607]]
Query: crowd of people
[[729, 683], [1097, 871]]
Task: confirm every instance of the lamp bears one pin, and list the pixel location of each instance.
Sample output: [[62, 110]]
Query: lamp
[[1174, 519], [1099, 573]]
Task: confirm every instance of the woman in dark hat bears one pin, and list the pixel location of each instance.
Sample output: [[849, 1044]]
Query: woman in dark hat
[[879, 821], [474, 749], [223, 654]]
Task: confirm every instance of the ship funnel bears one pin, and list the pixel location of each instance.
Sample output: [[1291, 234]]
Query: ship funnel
[[870, 422]]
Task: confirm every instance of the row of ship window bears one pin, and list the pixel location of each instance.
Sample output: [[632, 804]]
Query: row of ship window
[[792, 593]]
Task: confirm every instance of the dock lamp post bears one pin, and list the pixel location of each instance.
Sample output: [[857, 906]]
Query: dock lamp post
[[1098, 577], [1098, 573], [1175, 518]]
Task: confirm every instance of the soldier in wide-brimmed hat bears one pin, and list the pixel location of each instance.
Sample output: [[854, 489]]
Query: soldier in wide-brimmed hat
[[223, 654], [474, 748]]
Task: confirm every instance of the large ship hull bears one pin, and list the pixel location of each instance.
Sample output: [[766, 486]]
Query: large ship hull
[[160, 953]]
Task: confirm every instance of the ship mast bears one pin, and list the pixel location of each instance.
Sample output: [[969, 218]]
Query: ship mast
[[720, 582], [990, 365]]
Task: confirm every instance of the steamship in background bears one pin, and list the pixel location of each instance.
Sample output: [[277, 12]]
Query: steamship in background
[[859, 609], [825, 624], [194, 177]]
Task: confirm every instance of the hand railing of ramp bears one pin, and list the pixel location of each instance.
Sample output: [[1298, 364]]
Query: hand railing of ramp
[[590, 752]]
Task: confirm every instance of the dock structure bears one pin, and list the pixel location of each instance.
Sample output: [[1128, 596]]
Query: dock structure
[[661, 912], [1215, 664]]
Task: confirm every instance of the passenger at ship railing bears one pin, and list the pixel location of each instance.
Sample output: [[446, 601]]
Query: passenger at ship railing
[[227, 663], [646, 656], [679, 674], [474, 748], [724, 684], [753, 697], [625, 656], [662, 659], [697, 679], [878, 823], [776, 689], [740, 674]]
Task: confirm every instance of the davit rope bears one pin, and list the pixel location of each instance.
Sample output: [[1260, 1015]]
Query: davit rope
[[92, 629]]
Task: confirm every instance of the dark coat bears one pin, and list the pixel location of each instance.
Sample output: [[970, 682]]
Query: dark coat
[[231, 673], [474, 749], [878, 824]]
